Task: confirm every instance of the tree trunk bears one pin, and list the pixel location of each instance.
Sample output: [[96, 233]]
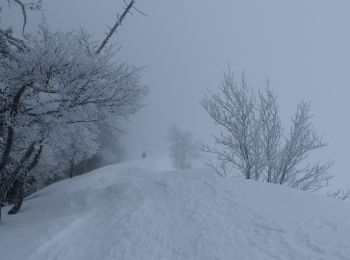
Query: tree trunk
[[19, 198], [10, 135], [9, 142], [19, 184], [0, 212], [116, 25], [71, 170]]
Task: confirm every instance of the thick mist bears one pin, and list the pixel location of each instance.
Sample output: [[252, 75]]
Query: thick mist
[[301, 46]]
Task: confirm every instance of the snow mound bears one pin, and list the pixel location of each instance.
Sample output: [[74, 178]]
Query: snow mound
[[142, 210]]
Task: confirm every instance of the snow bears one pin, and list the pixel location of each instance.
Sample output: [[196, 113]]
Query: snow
[[145, 210]]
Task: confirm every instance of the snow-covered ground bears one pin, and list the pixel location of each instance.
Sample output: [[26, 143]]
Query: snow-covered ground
[[143, 210]]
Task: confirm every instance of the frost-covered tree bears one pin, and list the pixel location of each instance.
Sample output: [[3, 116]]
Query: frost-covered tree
[[51, 83], [183, 148], [8, 44], [252, 139], [270, 134], [60, 83], [233, 108], [302, 139]]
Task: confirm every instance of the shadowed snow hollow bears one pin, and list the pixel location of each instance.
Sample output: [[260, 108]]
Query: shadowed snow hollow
[[138, 210]]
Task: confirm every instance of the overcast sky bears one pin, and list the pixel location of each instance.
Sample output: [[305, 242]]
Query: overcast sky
[[301, 46]]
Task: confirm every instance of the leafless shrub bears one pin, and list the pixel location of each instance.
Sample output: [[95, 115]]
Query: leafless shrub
[[252, 140]]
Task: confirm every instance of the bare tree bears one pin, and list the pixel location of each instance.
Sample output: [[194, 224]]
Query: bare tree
[[252, 139], [183, 148], [270, 133], [233, 110], [302, 139]]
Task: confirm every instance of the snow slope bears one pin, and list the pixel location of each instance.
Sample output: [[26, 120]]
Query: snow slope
[[138, 210]]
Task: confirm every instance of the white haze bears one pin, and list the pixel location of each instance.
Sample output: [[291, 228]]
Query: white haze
[[301, 46]]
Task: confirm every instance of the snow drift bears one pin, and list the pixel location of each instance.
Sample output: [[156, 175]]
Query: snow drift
[[139, 210]]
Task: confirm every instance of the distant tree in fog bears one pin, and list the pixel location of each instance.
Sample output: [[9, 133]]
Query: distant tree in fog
[[79, 145], [183, 148], [252, 140], [109, 150]]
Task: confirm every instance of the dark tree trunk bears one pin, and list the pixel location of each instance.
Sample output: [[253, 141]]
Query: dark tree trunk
[[10, 131], [19, 184], [71, 170], [0, 212], [116, 25], [19, 187], [9, 142]]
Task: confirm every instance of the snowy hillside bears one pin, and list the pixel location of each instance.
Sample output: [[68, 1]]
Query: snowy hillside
[[139, 210]]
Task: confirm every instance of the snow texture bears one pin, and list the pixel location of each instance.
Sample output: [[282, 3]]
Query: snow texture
[[144, 210]]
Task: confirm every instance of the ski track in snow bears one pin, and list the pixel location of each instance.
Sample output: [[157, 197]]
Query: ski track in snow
[[129, 211]]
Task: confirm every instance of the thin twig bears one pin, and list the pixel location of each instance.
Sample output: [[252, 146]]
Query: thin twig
[[24, 13]]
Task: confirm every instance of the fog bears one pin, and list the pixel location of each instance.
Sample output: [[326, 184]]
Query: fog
[[301, 46]]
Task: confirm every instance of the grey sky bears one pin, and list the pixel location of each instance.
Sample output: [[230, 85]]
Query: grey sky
[[301, 46]]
